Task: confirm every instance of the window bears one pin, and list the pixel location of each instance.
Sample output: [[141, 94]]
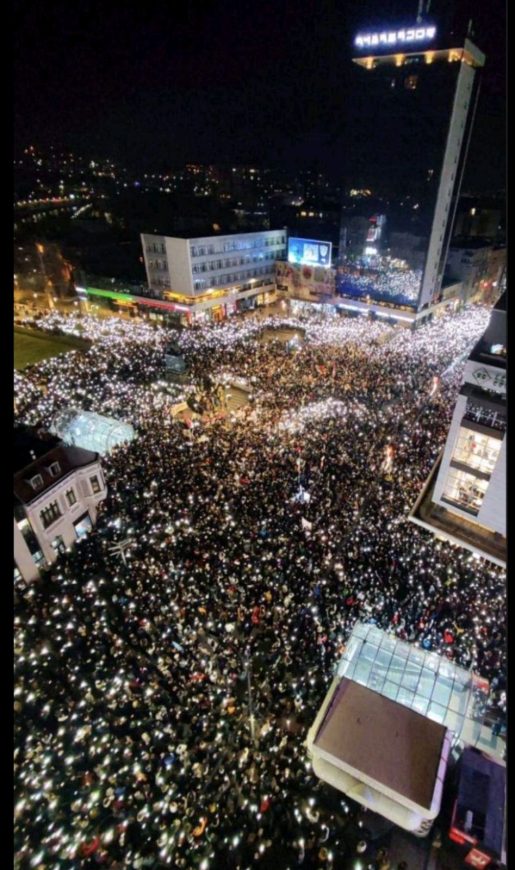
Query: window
[[58, 544], [95, 485], [71, 498], [476, 450], [465, 490], [36, 482], [54, 469], [50, 514], [83, 526]]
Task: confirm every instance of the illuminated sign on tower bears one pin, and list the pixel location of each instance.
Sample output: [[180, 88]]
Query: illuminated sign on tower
[[395, 38], [411, 128]]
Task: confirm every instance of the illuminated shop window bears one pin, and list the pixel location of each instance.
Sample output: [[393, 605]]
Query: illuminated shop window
[[476, 450], [465, 490], [83, 526]]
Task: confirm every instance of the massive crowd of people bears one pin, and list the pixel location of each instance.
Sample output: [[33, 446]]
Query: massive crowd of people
[[380, 281], [162, 699]]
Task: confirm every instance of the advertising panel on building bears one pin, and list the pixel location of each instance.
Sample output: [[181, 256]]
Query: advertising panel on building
[[307, 252]]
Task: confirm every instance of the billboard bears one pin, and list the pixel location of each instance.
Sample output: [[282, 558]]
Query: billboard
[[307, 252], [305, 282]]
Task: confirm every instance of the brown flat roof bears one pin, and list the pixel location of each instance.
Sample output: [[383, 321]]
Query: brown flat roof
[[384, 740]]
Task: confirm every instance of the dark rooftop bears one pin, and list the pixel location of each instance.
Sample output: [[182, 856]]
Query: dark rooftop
[[208, 231], [67, 458], [482, 790], [29, 446]]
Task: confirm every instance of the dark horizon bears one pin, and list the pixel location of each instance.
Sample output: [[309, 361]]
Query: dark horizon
[[264, 85]]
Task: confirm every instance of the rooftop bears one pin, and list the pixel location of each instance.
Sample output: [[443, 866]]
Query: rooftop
[[29, 446], [61, 459], [353, 731], [418, 679], [209, 231]]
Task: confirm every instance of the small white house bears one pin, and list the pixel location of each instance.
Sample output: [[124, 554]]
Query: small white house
[[55, 504]]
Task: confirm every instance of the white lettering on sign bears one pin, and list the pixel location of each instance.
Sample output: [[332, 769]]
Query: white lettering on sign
[[486, 377], [395, 37]]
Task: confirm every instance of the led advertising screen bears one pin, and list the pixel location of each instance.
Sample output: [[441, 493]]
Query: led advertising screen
[[306, 252]]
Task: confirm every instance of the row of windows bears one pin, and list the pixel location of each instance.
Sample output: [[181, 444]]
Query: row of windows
[[52, 511], [479, 453], [465, 490], [50, 514], [156, 248], [475, 450], [158, 265], [224, 280], [235, 261], [237, 245]]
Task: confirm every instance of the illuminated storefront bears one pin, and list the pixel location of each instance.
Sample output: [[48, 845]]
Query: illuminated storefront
[[464, 498]]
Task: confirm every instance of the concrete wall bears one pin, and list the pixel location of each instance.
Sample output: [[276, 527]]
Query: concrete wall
[[179, 266]]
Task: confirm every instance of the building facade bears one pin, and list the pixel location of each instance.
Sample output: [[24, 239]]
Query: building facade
[[464, 499], [55, 504], [479, 267], [214, 275], [416, 95]]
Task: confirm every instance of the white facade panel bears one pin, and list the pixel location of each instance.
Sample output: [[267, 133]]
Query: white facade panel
[[461, 106], [179, 265], [493, 510]]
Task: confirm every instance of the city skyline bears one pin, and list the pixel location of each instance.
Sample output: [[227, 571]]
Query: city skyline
[[220, 85]]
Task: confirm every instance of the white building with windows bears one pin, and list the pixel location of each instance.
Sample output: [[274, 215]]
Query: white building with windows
[[464, 499], [214, 276], [55, 504]]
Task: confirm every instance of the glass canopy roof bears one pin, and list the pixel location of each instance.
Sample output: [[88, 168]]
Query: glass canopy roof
[[423, 681], [91, 431]]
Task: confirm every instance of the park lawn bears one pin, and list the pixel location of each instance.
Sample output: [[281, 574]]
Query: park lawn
[[33, 347]]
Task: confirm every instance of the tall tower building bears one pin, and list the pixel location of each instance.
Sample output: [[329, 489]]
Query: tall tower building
[[416, 93]]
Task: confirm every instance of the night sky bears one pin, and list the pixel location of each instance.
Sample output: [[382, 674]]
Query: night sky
[[247, 82]]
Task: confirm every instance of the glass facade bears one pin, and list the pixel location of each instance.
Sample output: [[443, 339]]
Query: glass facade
[[476, 450], [83, 526], [91, 431], [465, 490], [423, 681], [401, 123]]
